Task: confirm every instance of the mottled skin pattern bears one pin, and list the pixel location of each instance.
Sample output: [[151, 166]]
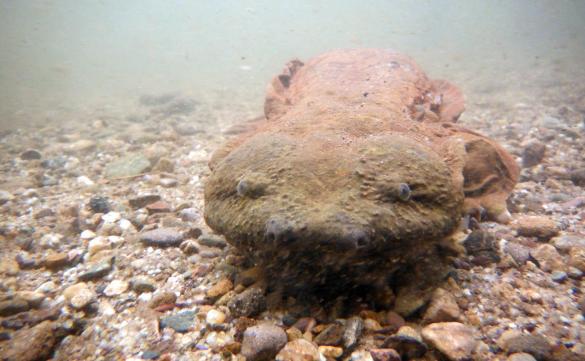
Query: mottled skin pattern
[[358, 171]]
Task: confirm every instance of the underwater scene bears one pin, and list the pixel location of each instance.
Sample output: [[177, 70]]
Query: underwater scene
[[292, 180]]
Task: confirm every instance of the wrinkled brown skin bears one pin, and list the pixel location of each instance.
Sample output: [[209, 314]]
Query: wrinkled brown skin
[[313, 192]]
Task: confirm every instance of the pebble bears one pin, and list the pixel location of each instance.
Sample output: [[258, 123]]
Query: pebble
[[453, 339], [578, 177], [13, 307], [87, 235], [111, 217], [150, 355], [385, 354], [354, 327], [181, 322], [263, 342], [189, 247], [533, 153], [96, 271], [189, 214], [518, 252], [558, 276], [57, 260], [34, 299], [116, 288], [521, 356], [158, 207], [162, 298], [249, 303], [141, 284], [211, 240], [9, 267], [565, 242], [443, 308], [143, 200], [30, 344], [577, 258], [219, 289], [332, 335], [299, 350], [541, 227], [331, 351], [79, 295], [5, 196], [128, 166], [31, 154], [548, 258], [514, 341], [162, 237], [407, 342], [99, 204], [215, 317], [168, 182]]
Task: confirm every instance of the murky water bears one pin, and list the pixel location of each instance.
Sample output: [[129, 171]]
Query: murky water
[[71, 54]]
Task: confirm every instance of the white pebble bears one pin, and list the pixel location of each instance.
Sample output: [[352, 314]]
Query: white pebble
[[215, 317], [111, 217]]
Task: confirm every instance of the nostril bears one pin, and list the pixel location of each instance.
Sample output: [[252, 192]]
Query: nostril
[[404, 192], [356, 239], [279, 230]]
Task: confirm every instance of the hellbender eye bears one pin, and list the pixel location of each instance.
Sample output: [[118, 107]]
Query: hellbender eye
[[252, 188], [242, 188], [404, 192]]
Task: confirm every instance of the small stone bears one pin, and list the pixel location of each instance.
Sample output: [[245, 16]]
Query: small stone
[[158, 207], [79, 295], [353, 330], [533, 153], [116, 288], [360, 355], [558, 276], [443, 308], [215, 317], [97, 245], [129, 166], [97, 270], [142, 201], [210, 240], [9, 267], [162, 298], [514, 341], [482, 246], [574, 273], [565, 242], [99, 204], [331, 351], [5, 197], [189, 247], [220, 288], [31, 154], [47, 287], [57, 260], [262, 342], [189, 214], [578, 176], [150, 355], [540, 227], [293, 333], [87, 234], [25, 261], [577, 258], [385, 354], [181, 322], [332, 335], [409, 300], [249, 303], [162, 237], [521, 356], [111, 217], [452, 339], [548, 258], [141, 284], [407, 342], [518, 252], [299, 350], [29, 344], [80, 146], [168, 182], [34, 299], [13, 306]]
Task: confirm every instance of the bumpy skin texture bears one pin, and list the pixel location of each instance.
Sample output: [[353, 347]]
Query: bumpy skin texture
[[358, 171]]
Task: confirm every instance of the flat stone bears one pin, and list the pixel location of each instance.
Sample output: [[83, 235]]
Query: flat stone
[[143, 200], [116, 288], [249, 303], [514, 341], [181, 322], [565, 242], [407, 342], [13, 306], [215, 317], [299, 350], [452, 339], [521, 356], [56, 261], [332, 335], [141, 284], [31, 154], [5, 197], [211, 240], [127, 166], [518, 252], [443, 308], [540, 227], [97, 270], [220, 288], [331, 351], [162, 298], [79, 295], [162, 237], [577, 258], [385, 354], [548, 258], [263, 342], [533, 153], [559, 276], [30, 344], [354, 327], [158, 207]]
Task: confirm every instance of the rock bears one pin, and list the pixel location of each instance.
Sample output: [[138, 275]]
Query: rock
[[521, 356], [409, 300], [168, 182], [25, 261], [407, 342], [5, 197], [30, 344], [211, 240], [443, 308], [162, 298], [143, 200], [150, 355], [214, 317], [331, 351], [249, 303], [482, 246], [99, 204], [578, 176], [80, 146], [34, 299], [514, 341], [533, 153], [452, 339], [128, 166], [518, 252], [116, 288], [164, 165], [558, 276], [97, 270], [565, 242], [97, 245], [385, 354], [158, 207], [332, 335], [189, 247], [548, 258], [111, 217], [540, 227], [220, 288], [13, 306], [162, 237], [353, 330], [31, 154], [577, 258], [141, 284], [9, 267], [181, 322], [189, 214], [263, 342], [79, 295], [56, 261], [299, 350]]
